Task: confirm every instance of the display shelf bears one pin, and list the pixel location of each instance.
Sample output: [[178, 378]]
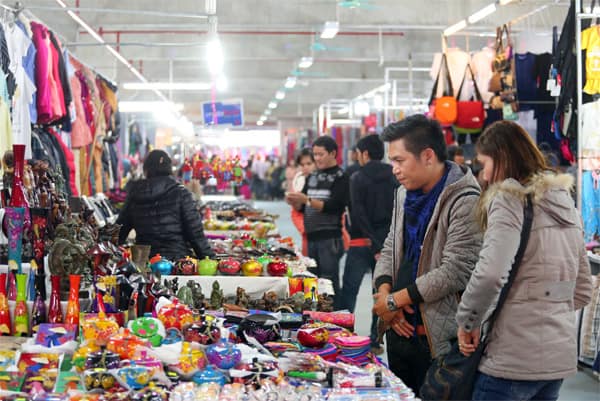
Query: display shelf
[[255, 286]]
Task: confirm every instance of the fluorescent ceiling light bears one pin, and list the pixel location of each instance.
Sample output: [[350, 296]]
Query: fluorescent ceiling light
[[343, 110], [290, 83], [260, 123], [481, 14], [451, 30], [305, 62], [280, 95], [505, 2], [330, 29], [83, 24], [361, 108], [268, 112], [222, 83], [183, 86], [214, 56], [140, 107], [263, 118], [272, 105]]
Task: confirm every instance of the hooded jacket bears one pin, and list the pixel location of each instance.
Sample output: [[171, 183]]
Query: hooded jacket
[[534, 336], [449, 253], [164, 215], [372, 190]]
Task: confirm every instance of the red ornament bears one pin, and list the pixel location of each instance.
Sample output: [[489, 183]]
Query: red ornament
[[277, 268], [229, 267]]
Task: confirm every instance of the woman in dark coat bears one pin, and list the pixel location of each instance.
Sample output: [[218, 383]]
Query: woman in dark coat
[[163, 213]]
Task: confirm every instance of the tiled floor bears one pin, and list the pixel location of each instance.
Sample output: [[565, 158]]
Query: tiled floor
[[581, 387]]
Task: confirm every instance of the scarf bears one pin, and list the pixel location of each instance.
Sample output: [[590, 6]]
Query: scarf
[[418, 209]]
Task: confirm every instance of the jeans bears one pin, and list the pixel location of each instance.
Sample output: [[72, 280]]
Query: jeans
[[327, 253], [409, 358], [495, 389], [359, 260]]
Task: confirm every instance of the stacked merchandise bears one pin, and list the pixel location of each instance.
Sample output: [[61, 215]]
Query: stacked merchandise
[[63, 112]]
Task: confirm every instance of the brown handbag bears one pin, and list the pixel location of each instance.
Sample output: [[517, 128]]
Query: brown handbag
[[503, 52], [495, 83]]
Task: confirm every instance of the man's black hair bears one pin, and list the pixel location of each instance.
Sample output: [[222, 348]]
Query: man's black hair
[[157, 163], [373, 145], [326, 142], [418, 133]]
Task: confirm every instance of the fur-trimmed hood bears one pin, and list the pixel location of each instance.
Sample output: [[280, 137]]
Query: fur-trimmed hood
[[551, 192]]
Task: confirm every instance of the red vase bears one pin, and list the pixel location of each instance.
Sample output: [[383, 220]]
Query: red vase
[[72, 316], [5, 326], [55, 314], [17, 196]]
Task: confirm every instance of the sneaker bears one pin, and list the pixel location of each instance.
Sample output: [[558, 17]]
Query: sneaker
[[377, 349]]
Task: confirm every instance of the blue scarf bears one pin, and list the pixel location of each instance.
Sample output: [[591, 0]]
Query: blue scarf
[[418, 209]]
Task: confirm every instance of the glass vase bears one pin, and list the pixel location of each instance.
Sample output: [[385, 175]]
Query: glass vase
[[5, 325], [55, 314], [21, 328], [72, 316], [40, 223], [14, 218], [17, 196], [38, 311]]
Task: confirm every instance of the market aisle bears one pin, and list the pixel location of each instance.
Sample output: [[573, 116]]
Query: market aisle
[[581, 387]]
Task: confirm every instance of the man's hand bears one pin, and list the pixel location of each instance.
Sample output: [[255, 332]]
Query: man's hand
[[468, 341], [296, 199], [397, 321]]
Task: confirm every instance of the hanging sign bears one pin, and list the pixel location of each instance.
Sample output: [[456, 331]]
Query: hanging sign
[[229, 112]]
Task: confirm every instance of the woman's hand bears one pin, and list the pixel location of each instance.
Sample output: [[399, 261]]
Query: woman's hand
[[468, 341]]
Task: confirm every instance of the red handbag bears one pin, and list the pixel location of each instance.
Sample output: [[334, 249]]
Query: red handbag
[[470, 115], [443, 109]]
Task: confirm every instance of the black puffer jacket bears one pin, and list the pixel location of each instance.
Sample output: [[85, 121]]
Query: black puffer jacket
[[164, 215]]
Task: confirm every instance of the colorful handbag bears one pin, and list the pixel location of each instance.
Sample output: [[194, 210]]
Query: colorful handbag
[[503, 53], [443, 109], [470, 115]]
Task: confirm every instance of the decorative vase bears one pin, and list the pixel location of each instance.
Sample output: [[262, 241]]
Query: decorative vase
[[5, 326], [38, 311], [15, 217], [72, 316], [21, 313], [17, 196], [40, 223], [55, 314], [31, 295]]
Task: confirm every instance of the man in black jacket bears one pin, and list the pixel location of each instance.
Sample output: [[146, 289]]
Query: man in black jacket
[[323, 202], [163, 213], [372, 190]]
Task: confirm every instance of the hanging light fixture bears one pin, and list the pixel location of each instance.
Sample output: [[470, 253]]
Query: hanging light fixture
[[305, 62]]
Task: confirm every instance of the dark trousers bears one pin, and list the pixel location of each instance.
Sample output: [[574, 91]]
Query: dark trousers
[[359, 260], [409, 358], [495, 389], [327, 253]]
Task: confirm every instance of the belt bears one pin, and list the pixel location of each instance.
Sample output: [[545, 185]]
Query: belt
[[421, 330], [360, 242]]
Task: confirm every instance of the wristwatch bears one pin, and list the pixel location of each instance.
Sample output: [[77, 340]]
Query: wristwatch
[[391, 303]]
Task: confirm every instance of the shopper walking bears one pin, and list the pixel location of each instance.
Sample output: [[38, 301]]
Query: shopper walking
[[323, 200], [353, 163], [533, 343], [163, 213], [430, 251], [306, 164], [372, 190]]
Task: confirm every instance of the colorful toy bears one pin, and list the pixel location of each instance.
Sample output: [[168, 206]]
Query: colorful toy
[[175, 315], [148, 328]]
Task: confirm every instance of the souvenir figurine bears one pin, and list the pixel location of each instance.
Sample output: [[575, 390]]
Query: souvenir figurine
[[197, 294], [148, 328], [203, 331], [241, 298], [223, 354], [216, 296]]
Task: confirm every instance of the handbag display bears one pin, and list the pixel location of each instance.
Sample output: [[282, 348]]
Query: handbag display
[[452, 376], [503, 52], [443, 109], [470, 116]]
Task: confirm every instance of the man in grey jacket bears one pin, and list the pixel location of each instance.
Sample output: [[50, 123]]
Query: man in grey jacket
[[430, 251]]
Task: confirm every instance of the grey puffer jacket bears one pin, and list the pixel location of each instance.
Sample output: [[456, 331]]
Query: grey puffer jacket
[[450, 248], [534, 336]]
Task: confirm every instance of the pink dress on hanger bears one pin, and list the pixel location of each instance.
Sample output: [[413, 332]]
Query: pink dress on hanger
[[41, 41], [80, 134], [56, 91]]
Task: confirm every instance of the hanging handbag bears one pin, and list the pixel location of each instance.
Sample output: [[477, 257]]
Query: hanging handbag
[[503, 52], [443, 109], [452, 376], [470, 115]]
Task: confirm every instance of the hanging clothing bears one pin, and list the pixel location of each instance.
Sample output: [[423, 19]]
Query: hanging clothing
[[56, 88], [5, 61], [80, 130], [528, 122], [526, 80], [63, 80], [457, 64], [590, 128], [29, 66], [541, 69], [481, 63], [69, 161], [590, 41], [5, 129], [590, 204], [18, 46], [42, 72]]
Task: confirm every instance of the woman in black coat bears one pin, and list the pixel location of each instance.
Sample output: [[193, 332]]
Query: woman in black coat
[[163, 213]]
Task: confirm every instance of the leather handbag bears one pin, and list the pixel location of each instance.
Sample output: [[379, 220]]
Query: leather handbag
[[503, 51], [443, 109], [452, 376], [495, 85], [470, 115]]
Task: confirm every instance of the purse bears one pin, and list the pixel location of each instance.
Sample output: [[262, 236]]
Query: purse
[[443, 109], [503, 53], [470, 115], [452, 376]]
